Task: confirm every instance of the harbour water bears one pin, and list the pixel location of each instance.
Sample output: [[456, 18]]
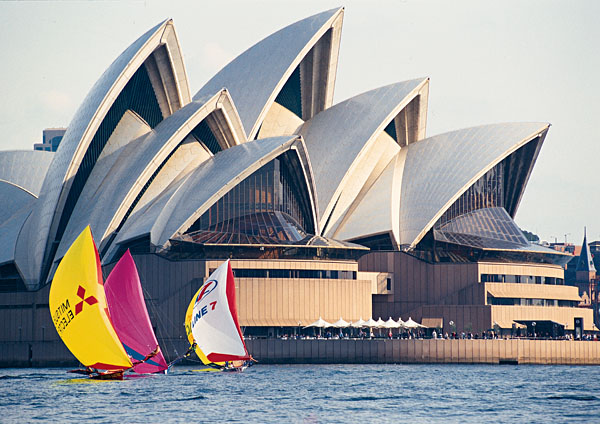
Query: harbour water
[[310, 394]]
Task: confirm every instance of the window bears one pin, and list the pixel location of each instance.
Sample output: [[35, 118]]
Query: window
[[347, 275], [508, 301], [268, 207], [487, 192], [389, 284], [294, 273]]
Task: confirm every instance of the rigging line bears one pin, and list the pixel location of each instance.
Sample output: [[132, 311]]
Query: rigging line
[[161, 327], [187, 355]]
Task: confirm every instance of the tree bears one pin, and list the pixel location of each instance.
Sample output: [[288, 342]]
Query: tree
[[531, 237]]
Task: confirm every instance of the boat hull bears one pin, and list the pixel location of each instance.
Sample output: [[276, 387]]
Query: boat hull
[[100, 375]]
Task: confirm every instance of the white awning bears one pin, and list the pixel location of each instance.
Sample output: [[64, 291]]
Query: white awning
[[412, 324], [371, 323], [358, 324], [390, 323], [340, 323], [320, 323]]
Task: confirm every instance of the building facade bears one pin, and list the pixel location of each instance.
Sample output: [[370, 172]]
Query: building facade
[[479, 296]]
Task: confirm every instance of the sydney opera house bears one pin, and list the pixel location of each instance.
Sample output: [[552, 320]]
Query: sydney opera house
[[326, 210]]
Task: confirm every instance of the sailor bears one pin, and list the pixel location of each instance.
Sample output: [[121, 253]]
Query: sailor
[[190, 350]]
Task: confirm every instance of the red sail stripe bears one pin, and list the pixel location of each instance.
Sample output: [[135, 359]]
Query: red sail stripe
[[233, 309], [220, 357], [108, 367]]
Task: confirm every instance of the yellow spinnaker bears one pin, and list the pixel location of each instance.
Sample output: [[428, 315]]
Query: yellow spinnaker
[[188, 330], [79, 310]]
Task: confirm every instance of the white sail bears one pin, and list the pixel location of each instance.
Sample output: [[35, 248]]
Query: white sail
[[214, 321]]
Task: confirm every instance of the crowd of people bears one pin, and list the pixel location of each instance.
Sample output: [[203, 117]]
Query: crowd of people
[[363, 334]]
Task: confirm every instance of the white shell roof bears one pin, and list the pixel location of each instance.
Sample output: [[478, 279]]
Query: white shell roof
[[117, 179], [42, 223], [376, 211], [184, 202], [14, 199], [254, 76], [9, 231], [140, 222], [16, 206], [25, 168], [335, 137], [440, 168]]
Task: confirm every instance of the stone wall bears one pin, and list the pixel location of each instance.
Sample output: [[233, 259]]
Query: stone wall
[[278, 351]]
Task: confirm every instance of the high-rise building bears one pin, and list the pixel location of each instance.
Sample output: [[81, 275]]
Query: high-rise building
[[51, 139]]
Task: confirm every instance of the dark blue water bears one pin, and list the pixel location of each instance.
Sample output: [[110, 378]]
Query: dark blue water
[[311, 394]]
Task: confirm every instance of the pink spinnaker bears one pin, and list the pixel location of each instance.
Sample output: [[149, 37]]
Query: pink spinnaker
[[130, 317]]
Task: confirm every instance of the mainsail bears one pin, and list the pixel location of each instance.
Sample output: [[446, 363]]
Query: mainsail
[[79, 309], [188, 330], [130, 317], [213, 320]]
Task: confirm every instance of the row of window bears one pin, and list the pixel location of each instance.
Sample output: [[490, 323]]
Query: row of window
[[510, 301], [522, 279], [268, 204], [293, 273], [487, 192]]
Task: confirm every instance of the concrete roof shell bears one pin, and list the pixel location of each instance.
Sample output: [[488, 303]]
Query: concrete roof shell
[[17, 204], [184, 202], [40, 227], [439, 169], [256, 76], [25, 168], [376, 211], [14, 198], [118, 179], [337, 137]]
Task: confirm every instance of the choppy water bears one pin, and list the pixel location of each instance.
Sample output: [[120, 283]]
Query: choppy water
[[311, 394]]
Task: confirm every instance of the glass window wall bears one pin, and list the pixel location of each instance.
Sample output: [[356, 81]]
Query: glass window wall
[[487, 192], [270, 206]]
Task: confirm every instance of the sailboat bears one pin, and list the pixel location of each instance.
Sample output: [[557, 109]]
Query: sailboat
[[91, 326], [130, 317], [212, 326]]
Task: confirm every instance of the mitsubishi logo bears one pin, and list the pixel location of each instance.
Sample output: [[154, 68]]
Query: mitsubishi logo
[[89, 300]]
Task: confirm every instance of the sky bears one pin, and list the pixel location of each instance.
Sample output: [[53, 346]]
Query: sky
[[489, 62]]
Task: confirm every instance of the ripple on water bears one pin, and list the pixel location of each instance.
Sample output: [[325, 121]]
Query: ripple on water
[[585, 398], [367, 398], [312, 393], [199, 397]]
